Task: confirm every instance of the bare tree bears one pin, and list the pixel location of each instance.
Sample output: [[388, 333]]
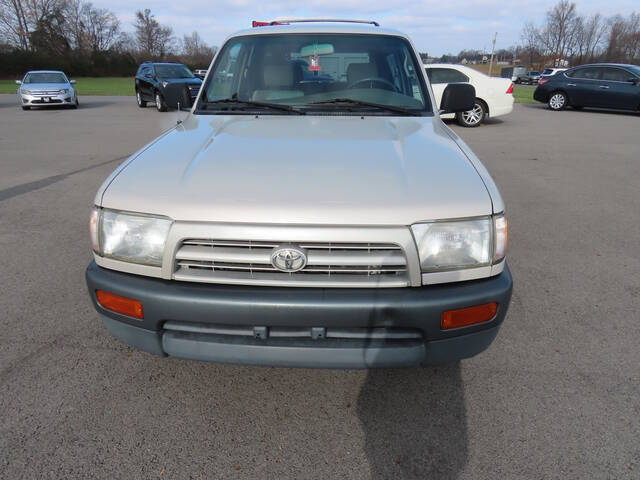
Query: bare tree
[[558, 35], [153, 38], [531, 40], [624, 39]]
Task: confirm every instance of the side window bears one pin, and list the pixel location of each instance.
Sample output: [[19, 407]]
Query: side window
[[446, 75], [615, 74], [587, 73], [226, 74]]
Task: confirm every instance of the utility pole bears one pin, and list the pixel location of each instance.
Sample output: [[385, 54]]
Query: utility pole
[[493, 49]]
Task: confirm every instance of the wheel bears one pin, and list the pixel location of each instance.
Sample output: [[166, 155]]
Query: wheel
[[474, 117], [160, 105], [25, 108], [557, 101], [141, 102], [75, 105]]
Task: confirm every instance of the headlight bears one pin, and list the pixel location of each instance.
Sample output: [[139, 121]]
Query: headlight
[[454, 245], [129, 237], [164, 84], [64, 90], [26, 92]]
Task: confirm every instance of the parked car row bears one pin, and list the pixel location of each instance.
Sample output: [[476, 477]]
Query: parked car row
[[528, 78], [604, 85]]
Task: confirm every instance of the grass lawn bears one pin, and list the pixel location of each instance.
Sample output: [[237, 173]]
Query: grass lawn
[[88, 86], [523, 93]]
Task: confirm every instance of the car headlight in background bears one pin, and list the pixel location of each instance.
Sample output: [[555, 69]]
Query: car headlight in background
[[129, 237], [459, 244], [164, 84]]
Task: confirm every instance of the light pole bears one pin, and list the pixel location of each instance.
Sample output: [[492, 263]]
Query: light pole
[[493, 49]]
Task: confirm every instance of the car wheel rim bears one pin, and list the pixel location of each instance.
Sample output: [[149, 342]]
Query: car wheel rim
[[473, 116], [557, 101], [158, 103], [139, 98]]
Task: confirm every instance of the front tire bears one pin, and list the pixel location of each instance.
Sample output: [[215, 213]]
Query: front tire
[[558, 101], [25, 108], [160, 105], [141, 102], [474, 117]]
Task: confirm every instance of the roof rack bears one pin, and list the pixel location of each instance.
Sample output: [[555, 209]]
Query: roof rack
[[313, 20]]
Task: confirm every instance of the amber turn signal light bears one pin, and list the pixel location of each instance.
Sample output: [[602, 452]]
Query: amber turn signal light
[[464, 317], [122, 305]]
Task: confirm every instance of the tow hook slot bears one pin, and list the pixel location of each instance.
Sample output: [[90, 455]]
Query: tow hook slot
[[260, 332], [318, 333]]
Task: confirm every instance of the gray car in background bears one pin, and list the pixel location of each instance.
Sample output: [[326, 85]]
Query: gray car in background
[[46, 88]]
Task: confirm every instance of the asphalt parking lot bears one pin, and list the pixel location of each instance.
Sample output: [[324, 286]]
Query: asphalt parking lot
[[556, 396]]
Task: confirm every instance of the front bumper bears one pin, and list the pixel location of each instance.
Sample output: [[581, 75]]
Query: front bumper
[[541, 95], [46, 100], [301, 327]]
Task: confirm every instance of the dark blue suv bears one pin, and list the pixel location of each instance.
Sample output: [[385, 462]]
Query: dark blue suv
[[167, 84], [602, 85]]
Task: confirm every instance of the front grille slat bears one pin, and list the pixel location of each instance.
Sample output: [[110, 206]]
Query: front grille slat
[[328, 264]]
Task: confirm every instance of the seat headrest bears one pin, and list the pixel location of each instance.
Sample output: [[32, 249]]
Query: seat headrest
[[280, 75], [360, 71]]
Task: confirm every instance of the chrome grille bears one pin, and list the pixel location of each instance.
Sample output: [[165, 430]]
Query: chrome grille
[[328, 264]]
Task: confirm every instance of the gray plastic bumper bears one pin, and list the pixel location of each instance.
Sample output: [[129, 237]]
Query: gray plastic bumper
[[418, 309]]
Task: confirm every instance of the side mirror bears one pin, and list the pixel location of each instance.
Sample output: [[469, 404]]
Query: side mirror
[[634, 80], [72, 82], [458, 97], [148, 75], [19, 82]]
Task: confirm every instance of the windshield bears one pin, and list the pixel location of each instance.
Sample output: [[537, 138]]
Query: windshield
[[45, 78], [547, 71], [173, 71], [327, 72], [635, 69]]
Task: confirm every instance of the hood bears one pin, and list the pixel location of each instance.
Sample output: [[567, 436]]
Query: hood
[[302, 170], [187, 81], [45, 86]]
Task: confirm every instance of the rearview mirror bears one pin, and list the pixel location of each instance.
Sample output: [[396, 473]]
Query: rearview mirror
[[458, 97], [316, 49], [18, 82]]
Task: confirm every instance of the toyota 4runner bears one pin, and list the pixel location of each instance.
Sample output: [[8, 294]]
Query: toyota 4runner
[[311, 210]]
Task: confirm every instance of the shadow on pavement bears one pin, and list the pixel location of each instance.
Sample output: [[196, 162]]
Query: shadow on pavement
[[414, 422], [543, 106]]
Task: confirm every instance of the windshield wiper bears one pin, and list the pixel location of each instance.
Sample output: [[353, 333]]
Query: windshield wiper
[[361, 103], [243, 104]]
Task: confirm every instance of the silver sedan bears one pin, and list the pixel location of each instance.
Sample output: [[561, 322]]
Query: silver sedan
[[44, 88]]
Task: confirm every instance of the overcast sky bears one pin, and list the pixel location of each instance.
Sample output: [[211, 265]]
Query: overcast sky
[[436, 26]]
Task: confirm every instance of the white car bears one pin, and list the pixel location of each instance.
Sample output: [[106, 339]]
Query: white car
[[547, 72], [494, 96]]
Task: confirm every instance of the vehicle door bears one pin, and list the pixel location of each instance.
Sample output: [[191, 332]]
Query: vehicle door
[[583, 86], [440, 77], [146, 82], [618, 89]]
